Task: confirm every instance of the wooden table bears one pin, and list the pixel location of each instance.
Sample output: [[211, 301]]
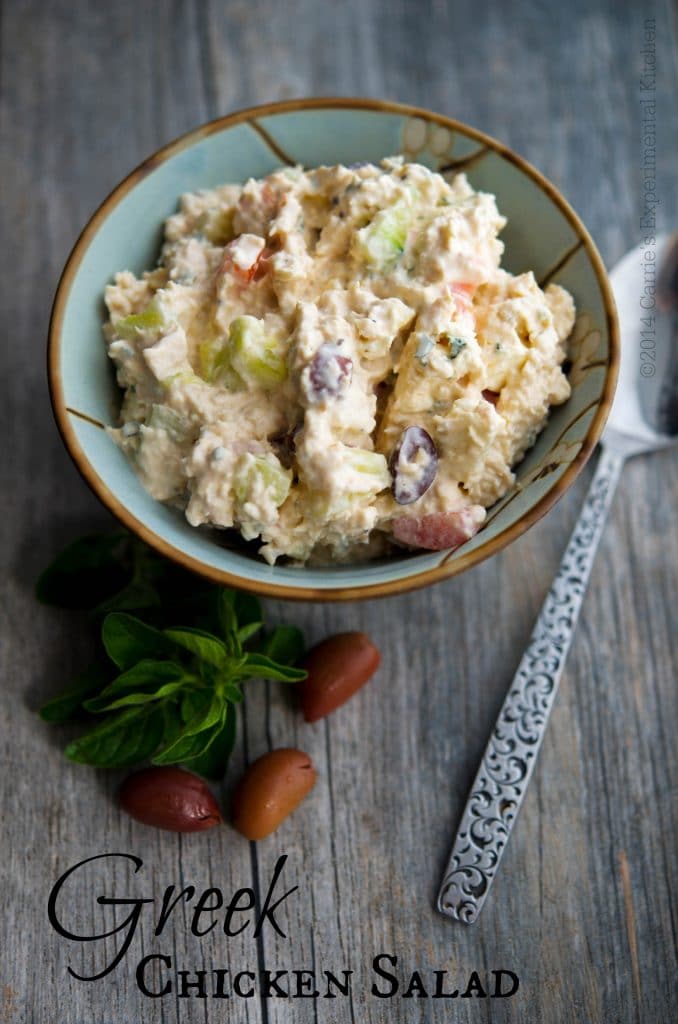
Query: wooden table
[[582, 910]]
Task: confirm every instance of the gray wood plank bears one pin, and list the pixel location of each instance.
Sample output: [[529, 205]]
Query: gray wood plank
[[584, 908]]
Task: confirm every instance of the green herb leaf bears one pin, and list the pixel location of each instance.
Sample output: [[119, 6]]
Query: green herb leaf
[[85, 573], [213, 762], [265, 668], [174, 695], [284, 645], [185, 748], [148, 675], [194, 703], [247, 608], [143, 740], [62, 707], [127, 639], [245, 632], [100, 703], [197, 736], [135, 596], [121, 739], [226, 616], [232, 693], [201, 643], [204, 720], [172, 721]]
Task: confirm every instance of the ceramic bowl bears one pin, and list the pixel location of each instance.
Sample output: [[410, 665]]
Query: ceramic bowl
[[543, 234]]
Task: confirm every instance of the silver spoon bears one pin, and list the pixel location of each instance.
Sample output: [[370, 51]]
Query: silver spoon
[[644, 418]]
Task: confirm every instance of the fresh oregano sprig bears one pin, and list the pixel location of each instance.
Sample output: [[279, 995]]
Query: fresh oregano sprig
[[157, 691]]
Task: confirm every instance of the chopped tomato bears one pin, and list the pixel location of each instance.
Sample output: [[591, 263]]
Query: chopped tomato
[[260, 267], [462, 293], [254, 272]]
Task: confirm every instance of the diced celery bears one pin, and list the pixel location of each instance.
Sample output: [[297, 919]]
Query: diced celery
[[164, 418], [213, 358], [215, 364], [372, 468], [363, 474], [181, 377], [262, 471], [382, 241], [150, 319], [330, 508], [255, 354]]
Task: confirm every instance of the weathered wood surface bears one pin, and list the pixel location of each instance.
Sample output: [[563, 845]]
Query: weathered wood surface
[[583, 909]]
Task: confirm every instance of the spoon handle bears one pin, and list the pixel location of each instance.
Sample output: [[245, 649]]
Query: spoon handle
[[509, 758]]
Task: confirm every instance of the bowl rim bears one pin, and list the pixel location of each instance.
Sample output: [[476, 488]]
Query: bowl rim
[[446, 569]]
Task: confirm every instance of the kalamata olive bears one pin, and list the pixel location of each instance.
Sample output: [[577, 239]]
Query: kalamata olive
[[439, 530], [413, 465], [169, 798], [337, 667], [329, 373], [284, 444], [270, 789]]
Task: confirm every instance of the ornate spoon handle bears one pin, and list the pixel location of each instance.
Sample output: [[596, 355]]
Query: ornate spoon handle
[[509, 758]]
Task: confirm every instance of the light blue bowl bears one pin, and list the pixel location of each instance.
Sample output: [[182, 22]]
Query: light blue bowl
[[543, 234]]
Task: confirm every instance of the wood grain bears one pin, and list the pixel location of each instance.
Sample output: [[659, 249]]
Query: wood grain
[[584, 907]]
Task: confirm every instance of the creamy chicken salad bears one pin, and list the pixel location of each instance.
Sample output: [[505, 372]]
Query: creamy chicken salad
[[332, 361]]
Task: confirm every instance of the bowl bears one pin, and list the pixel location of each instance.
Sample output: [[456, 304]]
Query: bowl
[[543, 234]]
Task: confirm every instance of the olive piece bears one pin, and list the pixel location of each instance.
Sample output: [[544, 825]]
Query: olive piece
[[169, 798], [329, 373], [337, 667], [413, 465], [270, 789]]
